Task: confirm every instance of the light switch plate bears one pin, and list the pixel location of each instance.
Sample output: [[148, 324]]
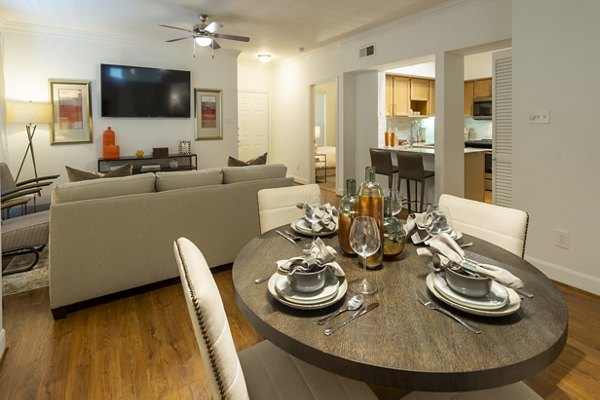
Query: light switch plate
[[539, 117]]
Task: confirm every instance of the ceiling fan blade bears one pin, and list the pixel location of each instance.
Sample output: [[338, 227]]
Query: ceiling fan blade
[[215, 45], [231, 37], [213, 27], [181, 38], [174, 27]]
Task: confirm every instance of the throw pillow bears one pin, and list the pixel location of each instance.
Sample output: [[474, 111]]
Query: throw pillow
[[234, 162], [76, 175]]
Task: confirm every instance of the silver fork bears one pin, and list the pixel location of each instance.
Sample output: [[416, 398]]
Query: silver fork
[[429, 304]]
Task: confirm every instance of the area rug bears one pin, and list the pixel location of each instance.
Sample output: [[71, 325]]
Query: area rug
[[21, 282]]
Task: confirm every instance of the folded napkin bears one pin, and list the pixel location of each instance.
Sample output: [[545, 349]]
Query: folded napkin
[[445, 246], [415, 227], [328, 219], [319, 256]]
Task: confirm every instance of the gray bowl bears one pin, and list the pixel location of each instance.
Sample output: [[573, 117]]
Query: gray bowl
[[468, 285], [306, 282]]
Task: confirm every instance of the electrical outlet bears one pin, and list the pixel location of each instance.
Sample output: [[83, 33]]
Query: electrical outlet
[[540, 117], [561, 239]]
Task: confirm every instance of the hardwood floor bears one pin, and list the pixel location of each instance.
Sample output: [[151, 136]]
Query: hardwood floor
[[143, 347]]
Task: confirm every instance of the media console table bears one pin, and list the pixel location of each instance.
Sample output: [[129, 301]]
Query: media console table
[[172, 162]]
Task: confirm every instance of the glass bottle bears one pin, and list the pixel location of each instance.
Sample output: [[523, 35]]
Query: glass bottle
[[394, 236], [370, 203], [348, 209]]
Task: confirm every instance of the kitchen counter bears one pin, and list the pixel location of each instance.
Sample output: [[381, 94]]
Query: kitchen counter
[[429, 149]]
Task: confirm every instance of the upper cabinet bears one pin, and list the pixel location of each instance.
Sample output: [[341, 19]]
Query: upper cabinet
[[474, 89], [405, 95]]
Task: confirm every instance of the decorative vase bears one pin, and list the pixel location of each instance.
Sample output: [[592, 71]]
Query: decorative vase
[[370, 203], [347, 211]]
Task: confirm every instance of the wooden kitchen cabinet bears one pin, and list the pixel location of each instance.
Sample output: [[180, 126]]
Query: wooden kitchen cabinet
[[468, 98], [419, 89], [389, 95], [482, 88], [431, 102], [401, 96]]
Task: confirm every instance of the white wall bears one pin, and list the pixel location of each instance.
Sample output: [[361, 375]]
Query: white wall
[[2, 141], [555, 67], [31, 59]]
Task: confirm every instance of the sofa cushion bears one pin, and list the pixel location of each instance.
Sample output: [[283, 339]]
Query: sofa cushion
[[102, 188], [253, 172], [76, 175], [187, 179]]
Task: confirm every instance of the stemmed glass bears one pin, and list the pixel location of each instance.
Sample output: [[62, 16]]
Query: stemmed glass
[[312, 214], [365, 241]]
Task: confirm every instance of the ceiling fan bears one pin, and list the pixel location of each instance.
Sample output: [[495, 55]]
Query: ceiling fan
[[204, 33]]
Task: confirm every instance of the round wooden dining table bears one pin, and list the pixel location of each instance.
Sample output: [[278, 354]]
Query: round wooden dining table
[[402, 343]]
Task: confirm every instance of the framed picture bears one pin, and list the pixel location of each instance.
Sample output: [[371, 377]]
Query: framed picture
[[185, 147], [209, 120], [71, 112]]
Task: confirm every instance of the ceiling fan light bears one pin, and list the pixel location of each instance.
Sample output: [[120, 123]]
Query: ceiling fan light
[[203, 41], [264, 58]]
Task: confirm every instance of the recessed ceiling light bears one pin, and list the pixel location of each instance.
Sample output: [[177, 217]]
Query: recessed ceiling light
[[264, 58]]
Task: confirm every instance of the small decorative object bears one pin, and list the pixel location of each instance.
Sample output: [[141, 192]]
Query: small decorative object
[[139, 154], [185, 147], [158, 152], [173, 164], [109, 149], [394, 236], [348, 210]]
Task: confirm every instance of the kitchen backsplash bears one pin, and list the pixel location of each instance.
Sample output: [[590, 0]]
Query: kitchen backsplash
[[480, 129], [475, 129]]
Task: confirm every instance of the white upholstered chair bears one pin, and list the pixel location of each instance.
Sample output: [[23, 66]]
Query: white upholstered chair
[[262, 371], [277, 206], [502, 226]]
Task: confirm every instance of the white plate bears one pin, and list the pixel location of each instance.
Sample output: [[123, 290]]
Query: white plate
[[343, 287], [496, 299], [329, 291], [514, 302], [301, 226]]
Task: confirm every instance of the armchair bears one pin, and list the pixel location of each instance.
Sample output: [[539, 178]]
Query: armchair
[[20, 193]]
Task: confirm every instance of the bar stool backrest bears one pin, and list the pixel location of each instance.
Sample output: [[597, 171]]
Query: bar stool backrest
[[410, 166], [382, 161]]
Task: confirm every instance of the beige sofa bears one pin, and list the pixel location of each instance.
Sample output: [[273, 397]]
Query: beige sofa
[[113, 234]]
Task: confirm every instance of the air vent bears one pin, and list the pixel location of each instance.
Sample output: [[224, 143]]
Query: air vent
[[367, 51]]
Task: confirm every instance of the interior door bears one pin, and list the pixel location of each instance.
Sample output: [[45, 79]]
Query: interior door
[[253, 116], [502, 129]]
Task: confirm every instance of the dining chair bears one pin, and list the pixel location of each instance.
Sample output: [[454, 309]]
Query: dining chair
[[382, 161], [515, 391], [502, 226], [277, 206], [410, 167], [262, 371]]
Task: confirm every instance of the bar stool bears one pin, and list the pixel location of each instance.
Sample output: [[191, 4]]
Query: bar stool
[[382, 161], [410, 167]]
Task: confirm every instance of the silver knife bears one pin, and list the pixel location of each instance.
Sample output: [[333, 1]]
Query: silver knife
[[524, 292], [289, 239], [370, 307]]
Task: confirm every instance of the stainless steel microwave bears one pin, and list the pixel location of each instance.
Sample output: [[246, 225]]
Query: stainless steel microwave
[[482, 108]]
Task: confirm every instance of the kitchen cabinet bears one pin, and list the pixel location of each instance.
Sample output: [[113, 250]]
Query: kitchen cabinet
[[431, 102], [419, 89], [389, 95], [482, 88], [474, 89], [401, 96]]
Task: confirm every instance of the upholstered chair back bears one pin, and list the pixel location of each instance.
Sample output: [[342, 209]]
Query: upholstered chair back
[[277, 206], [210, 323], [502, 226], [7, 182]]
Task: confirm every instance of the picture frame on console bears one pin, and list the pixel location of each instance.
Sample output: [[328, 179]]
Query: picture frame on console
[[208, 113], [71, 112]]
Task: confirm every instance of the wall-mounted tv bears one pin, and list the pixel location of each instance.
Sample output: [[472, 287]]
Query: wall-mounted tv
[[141, 92]]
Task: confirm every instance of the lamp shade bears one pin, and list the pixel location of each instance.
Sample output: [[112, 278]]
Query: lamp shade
[[29, 113]]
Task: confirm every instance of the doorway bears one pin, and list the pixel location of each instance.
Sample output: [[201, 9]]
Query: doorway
[[323, 132]]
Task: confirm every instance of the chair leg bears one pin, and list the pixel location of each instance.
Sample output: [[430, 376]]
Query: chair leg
[[422, 194], [18, 252], [408, 195]]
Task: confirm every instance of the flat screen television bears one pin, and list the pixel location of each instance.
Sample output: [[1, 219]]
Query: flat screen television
[[141, 92]]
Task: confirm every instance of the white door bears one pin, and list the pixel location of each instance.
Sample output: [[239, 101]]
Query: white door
[[253, 116], [502, 129]]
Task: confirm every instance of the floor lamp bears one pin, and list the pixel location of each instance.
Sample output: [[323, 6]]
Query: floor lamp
[[30, 114]]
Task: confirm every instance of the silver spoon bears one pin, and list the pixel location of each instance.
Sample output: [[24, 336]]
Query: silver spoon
[[354, 303]]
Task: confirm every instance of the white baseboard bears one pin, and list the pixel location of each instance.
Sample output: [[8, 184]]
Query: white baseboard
[[300, 180], [564, 275]]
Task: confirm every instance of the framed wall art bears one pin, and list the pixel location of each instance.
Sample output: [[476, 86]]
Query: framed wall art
[[208, 112], [71, 112]]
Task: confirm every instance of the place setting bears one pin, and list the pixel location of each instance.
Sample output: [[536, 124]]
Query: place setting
[[320, 219]]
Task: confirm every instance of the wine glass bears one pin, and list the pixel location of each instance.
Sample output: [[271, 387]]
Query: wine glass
[[365, 241], [312, 208]]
